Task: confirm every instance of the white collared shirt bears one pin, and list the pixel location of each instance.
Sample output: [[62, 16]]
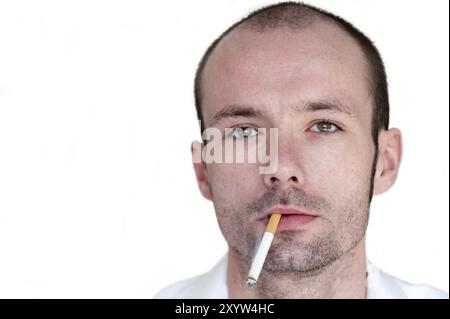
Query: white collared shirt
[[380, 285]]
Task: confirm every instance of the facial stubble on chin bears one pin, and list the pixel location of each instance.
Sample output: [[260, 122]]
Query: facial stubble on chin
[[289, 252]]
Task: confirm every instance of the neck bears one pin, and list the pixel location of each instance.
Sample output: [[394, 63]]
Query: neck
[[344, 278]]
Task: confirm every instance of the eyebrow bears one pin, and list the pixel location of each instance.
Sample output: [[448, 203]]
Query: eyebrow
[[325, 106], [232, 111]]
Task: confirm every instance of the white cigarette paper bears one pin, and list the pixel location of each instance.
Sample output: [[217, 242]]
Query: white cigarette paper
[[263, 249]]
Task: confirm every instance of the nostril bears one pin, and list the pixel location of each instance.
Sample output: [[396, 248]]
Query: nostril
[[273, 179], [294, 179]]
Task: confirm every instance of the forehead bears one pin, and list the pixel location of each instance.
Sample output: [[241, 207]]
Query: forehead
[[279, 68]]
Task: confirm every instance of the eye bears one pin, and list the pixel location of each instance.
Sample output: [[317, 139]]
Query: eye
[[325, 127], [242, 132]]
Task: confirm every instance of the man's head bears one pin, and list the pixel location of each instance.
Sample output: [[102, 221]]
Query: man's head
[[322, 84]]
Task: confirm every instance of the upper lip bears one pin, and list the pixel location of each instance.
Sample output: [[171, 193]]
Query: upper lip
[[286, 210]]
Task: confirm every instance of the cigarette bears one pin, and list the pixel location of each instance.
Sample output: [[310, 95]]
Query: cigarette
[[262, 251]]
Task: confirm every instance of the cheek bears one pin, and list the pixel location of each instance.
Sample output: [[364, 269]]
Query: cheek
[[341, 174], [234, 183], [234, 186], [338, 168]]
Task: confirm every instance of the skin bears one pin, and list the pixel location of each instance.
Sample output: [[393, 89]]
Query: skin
[[278, 73]]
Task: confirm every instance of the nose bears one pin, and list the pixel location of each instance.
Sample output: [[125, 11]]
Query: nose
[[288, 174]]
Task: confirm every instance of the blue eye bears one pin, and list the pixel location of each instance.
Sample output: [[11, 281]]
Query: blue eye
[[243, 132], [325, 127]]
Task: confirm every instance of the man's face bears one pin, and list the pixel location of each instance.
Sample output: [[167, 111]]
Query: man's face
[[294, 81]]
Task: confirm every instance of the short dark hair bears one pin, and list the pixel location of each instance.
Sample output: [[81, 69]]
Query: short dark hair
[[297, 15]]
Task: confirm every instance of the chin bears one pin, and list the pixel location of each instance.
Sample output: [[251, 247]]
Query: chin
[[302, 256]]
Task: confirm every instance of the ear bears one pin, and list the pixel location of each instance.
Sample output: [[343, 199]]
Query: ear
[[390, 149], [200, 169]]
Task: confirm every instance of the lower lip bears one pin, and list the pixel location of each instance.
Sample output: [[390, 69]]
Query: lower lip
[[294, 221]]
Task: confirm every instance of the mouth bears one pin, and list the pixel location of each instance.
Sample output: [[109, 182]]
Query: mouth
[[291, 217]]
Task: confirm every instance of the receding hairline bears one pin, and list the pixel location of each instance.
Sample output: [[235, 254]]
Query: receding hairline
[[297, 24], [313, 24]]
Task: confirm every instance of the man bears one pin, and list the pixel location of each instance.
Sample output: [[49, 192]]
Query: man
[[321, 83]]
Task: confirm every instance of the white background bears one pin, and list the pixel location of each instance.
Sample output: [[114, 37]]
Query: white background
[[97, 193]]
